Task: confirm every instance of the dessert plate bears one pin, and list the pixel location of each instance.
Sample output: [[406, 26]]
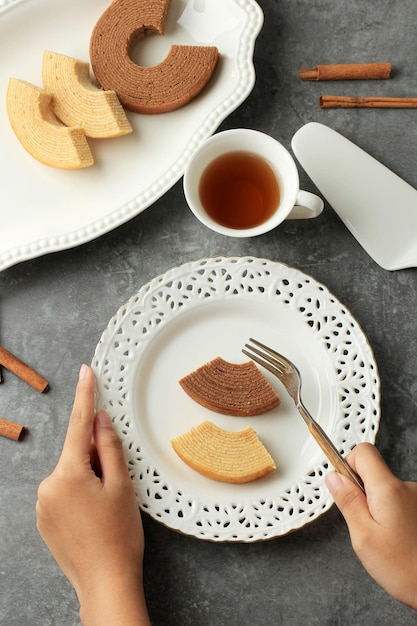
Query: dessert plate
[[210, 308], [45, 210]]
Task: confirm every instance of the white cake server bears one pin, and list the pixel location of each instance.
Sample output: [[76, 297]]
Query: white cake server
[[376, 205]]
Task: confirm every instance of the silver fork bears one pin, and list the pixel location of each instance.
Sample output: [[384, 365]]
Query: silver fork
[[290, 377]]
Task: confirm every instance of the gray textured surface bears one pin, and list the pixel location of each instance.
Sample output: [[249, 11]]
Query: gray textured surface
[[54, 309]]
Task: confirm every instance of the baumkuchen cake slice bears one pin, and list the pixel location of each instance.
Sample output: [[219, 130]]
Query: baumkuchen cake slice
[[40, 132], [231, 388], [78, 102], [156, 89], [232, 457]]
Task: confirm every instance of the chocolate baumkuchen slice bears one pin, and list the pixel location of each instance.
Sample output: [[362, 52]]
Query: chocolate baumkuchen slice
[[231, 388], [157, 89], [232, 457]]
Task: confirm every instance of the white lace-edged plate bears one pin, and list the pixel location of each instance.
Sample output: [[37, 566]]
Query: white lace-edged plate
[[210, 308]]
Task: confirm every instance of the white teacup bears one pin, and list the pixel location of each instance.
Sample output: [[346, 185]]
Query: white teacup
[[292, 203]]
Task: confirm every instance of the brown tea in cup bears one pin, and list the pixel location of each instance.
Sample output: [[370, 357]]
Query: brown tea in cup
[[243, 183], [239, 189]]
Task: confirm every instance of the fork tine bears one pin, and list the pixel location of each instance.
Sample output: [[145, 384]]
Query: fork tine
[[264, 359], [256, 356], [277, 358]]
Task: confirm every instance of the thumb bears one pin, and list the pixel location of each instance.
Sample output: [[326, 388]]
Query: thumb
[[350, 500], [109, 449]]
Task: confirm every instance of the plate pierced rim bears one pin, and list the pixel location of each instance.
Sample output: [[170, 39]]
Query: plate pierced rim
[[246, 72], [229, 278]]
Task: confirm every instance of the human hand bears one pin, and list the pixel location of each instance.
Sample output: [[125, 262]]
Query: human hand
[[382, 524], [88, 517]]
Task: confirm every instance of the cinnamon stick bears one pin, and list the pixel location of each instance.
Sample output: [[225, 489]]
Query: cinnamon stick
[[347, 71], [372, 102], [26, 373], [12, 430]]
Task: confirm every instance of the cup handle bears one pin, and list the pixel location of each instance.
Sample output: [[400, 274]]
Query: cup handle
[[307, 205]]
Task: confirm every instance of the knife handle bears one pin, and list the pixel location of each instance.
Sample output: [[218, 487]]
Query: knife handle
[[333, 454]]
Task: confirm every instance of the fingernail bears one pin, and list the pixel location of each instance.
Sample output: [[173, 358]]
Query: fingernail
[[334, 482], [83, 372], [103, 419]]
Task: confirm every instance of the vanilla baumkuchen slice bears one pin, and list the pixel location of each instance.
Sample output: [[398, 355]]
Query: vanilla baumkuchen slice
[[231, 388], [40, 132], [231, 457], [157, 89], [78, 102]]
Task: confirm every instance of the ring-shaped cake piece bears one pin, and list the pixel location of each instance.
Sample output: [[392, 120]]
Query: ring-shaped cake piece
[[40, 132], [78, 102], [231, 388], [164, 87], [229, 457]]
